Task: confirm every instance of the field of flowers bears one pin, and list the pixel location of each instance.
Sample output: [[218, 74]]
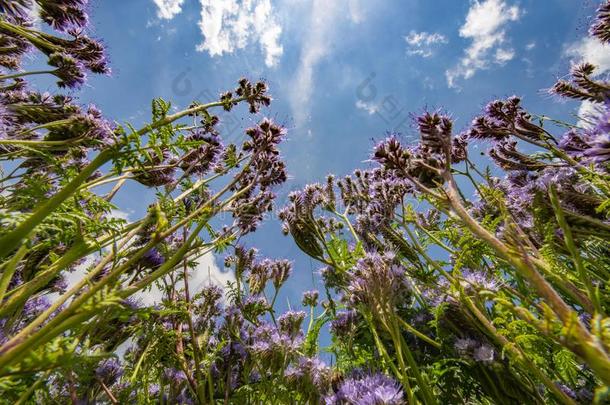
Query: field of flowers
[[442, 283]]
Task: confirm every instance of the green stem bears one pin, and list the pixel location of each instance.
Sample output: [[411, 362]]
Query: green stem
[[569, 242], [28, 393], [12, 240], [22, 74], [9, 270]]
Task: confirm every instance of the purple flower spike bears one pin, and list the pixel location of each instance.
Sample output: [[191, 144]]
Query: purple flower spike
[[310, 298], [64, 15], [601, 27]]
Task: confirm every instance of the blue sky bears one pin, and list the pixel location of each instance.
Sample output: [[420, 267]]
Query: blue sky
[[342, 72]]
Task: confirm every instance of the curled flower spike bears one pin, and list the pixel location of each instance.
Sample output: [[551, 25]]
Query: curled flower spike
[[600, 149], [582, 86], [310, 298], [390, 154], [344, 323], [64, 15], [69, 71], [435, 131], [157, 176], [290, 322], [601, 28], [255, 95], [18, 11]]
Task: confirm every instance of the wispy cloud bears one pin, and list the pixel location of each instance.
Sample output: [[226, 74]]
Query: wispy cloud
[[370, 108], [228, 25], [423, 43], [321, 30], [315, 47], [486, 26], [167, 9]]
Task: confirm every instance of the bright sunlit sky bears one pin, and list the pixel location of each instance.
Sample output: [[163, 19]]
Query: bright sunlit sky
[[341, 72]]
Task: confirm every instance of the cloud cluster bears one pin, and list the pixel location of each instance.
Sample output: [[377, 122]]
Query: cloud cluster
[[423, 43], [485, 25], [228, 25], [167, 9], [591, 50]]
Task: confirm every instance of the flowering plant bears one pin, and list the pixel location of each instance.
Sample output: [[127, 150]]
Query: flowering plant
[[500, 293], [443, 282]]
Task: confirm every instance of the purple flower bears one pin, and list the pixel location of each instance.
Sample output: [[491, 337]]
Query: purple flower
[[503, 118], [344, 323], [109, 371], [280, 271], [367, 389], [377, 280], [17, 11], [573, 143], [484, 354], [35, 306], [255, 306], [265, 171], [310, 298], [64, 15], [271, 343], [153, 390], [566, 390], [435, 131], [601, 27], [600, 149], [152, 259], [175, 376], [478, 280], [160, 170], [290, 322], [205, 153], [70, 72]]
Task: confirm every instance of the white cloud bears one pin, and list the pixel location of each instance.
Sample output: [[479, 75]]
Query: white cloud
[[587, 113], [530, 45], [593, 51], [206, 273], [168, 9], [485, 26], [422, 43], [228, 25], [504, 55], [368, 107], [119, 214], [590, 50]]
